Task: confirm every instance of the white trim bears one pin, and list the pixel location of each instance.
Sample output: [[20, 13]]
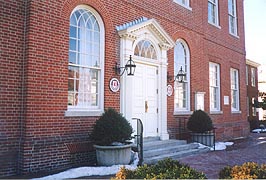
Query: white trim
[[236, 112], [176, 113], [129, 37], [76, 111], [234, 18], [216, 4], [211, 64], [186, 5], [252, 63], [216, 112], [188, 104], [247, 72], [253, 76], [237, 109], [82, 113]]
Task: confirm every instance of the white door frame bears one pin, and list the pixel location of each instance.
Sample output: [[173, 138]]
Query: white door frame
[[130, 34], [143, 89]]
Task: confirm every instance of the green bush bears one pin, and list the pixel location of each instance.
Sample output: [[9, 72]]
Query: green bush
[[165, 169], [249, 170], [199, 122], [111, 127]]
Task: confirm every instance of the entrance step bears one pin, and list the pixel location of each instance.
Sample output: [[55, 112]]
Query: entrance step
[[155, 150]]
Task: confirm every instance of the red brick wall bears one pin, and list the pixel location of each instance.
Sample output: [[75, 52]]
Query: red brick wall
[[252, 92], [209, 43], [11, 73], [48, 133]]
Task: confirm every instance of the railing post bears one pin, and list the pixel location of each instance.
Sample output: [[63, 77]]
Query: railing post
[[139, 137]]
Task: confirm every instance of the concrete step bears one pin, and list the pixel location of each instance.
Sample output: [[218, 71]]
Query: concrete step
[[169, 149], [150, 145], [174, 155]]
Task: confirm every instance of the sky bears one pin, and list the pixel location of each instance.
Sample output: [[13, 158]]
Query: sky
[[255, 30]]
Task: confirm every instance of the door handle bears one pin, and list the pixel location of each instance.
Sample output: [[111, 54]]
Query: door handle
[[146, 106]]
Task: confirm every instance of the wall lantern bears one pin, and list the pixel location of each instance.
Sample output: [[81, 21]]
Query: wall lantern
[[129, 67], [180, 77]]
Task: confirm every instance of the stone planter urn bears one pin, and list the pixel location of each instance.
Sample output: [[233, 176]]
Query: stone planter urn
[[113, 155], [203, 138]]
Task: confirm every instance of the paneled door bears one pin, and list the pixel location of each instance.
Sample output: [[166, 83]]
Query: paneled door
[[145, 98]]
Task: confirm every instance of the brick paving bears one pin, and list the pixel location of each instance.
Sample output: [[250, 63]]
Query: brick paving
[[251, 149]]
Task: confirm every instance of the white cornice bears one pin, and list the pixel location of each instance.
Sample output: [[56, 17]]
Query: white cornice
[[130, 30], [252, 63]]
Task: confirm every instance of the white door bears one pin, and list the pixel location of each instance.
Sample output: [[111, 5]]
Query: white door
[[145, 98]]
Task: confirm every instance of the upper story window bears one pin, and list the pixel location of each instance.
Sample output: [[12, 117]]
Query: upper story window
[[254, 109], [234, 90], [214, 78], [213, 12], [232, 17], [182, 90], [253, 77], [145, 49], [184, 3], [85, 62], [247, 75]]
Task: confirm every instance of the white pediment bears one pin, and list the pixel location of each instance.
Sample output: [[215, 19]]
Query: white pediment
[[142, 25]]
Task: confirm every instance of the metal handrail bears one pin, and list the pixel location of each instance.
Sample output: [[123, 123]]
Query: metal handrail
[[139, 138]]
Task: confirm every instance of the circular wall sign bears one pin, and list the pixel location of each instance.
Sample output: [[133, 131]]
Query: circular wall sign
[[114, 85], [169, 90]]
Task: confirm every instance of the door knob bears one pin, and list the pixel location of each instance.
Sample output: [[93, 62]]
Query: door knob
[[146, 106]]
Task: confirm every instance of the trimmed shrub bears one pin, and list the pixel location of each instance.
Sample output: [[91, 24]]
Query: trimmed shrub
[[111, 127], [248, 170], [164, 169], [199, 122]]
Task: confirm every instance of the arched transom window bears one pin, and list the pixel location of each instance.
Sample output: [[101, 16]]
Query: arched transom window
[[145, 49], [182, 91], [85, 60]]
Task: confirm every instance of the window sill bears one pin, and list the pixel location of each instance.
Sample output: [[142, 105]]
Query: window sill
[[77, 113], [234, 35], [183, 5], [236, 112], [176, 113], [215, 25], [216, 112]]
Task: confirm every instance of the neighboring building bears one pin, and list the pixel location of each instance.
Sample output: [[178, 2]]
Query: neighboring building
[[58, 57], [252, 92], [262, 89]]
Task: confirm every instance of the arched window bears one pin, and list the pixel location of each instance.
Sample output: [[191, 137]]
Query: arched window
[[85, 63], [145, 49], [182, 90]]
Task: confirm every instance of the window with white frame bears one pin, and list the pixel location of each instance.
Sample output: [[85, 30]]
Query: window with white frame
[[253, 77], [182, 90], [254, 109], [85, 62], [246, 75], [232, 17], [184, 3], [214, 81], [145, 49], [234, 89], [248, 106], [213, 12]]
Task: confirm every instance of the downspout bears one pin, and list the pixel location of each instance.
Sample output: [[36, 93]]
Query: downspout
[[22, 110]]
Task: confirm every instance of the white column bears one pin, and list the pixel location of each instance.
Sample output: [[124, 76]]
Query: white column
[[163, 119]]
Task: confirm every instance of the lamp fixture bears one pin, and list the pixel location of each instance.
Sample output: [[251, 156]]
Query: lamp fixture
[[129, 67], [180, 76]]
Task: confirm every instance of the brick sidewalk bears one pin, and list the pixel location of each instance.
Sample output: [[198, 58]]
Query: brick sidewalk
[[251, 149]]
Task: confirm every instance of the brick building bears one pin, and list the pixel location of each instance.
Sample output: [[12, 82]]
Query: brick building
[[252, 91], [58, 57]]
